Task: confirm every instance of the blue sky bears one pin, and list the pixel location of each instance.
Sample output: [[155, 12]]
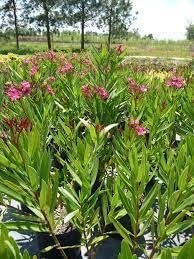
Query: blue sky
[[166, 19]]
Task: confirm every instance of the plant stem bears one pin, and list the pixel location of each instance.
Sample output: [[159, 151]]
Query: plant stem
[[55, 238], [153, 249], [64, 256]]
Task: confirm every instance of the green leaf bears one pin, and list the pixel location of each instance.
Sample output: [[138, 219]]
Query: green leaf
[[125, 251], [166, 254], [149, 200], [68, 195], [45, 167], [121, 230], [5, 162], [24, 225], [15, 192], [74, 175], [98, 240], [44, 195], [127, 205], [70, 216], [187, 250], [186, 204], [33, 176], [175, 228], [182, 182]]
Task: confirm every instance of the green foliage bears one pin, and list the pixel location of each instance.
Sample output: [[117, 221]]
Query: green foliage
[[190, 32], [80, 12], [96, 138], [9, 248], [117, 16]]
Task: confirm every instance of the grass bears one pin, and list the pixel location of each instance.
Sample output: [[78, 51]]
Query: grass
[[134, 47]]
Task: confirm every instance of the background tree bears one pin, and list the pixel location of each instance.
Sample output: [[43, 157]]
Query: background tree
[[117, 16], [80, 12], [190, 32], [9, 17], [44, 13]]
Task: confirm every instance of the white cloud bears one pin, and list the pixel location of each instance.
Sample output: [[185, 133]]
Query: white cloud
[[166, 19]]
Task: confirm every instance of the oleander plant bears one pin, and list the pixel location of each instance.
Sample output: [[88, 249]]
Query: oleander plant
[[91, 143]]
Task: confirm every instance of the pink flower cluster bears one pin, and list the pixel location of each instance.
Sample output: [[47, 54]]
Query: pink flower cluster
[[135, 88], [50, 90], [102, 93], [17, 92], [33, 70], [99, 91], [51, 55], [176, 82], [139, 129], [86, 91], [67, 68], [48, 85]]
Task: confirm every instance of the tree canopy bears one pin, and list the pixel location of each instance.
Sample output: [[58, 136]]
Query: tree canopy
[[190, 32]]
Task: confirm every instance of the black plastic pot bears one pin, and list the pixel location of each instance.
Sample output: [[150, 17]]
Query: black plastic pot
[[71, 238], [25, 209]]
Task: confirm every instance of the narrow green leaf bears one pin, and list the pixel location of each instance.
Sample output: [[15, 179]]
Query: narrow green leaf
[[121, 230]]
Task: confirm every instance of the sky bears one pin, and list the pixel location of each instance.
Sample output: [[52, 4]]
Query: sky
[[165, 19]]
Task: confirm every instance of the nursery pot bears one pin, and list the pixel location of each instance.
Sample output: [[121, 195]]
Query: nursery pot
[[25, 209], [69, 238]]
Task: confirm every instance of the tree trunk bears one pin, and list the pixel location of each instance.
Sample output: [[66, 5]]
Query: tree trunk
[[16, 24], [48, 34], [82, 25], [110, 27]]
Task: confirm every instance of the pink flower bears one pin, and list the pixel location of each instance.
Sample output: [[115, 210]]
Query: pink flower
[[143, 88], [86, 91], [135, 88], [50, 90], [120, 49], [26, 61], [66, 68], [25, 88], [14, 93], [140, 130], [102, 93], [131, 81], [51, 55], [33, 70], [176, 82]]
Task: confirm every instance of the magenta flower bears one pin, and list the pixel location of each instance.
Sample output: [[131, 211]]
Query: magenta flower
[[50, 90], [51, 55], [102, 93], [33, 70], [14, 93], [86, 91], [143, 88], [65, 68], [25, 88], [176, 82], [139, 129], [135, 88]]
